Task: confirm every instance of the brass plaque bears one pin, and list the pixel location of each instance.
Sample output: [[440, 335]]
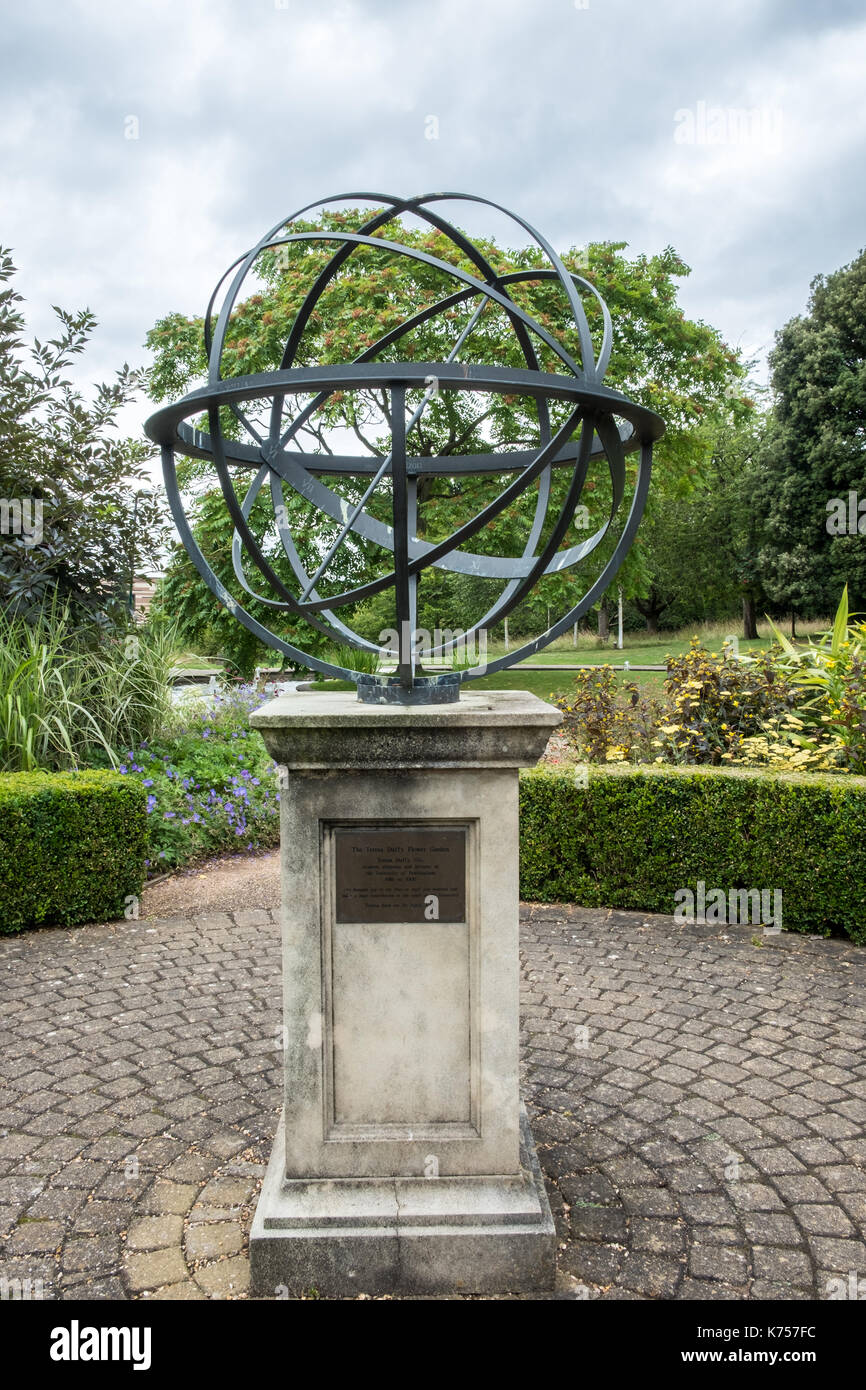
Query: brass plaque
[[400, 874]]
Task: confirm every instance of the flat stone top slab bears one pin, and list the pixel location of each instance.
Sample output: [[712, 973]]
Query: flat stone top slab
[[342, 709]]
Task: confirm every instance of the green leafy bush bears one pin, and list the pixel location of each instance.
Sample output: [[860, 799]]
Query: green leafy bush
[[210, 782], [607, 722], [829, 677], [72, 847], [716, 702], [632, 837]]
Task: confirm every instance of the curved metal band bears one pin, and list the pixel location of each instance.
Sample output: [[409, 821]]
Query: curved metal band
[[591, 407]]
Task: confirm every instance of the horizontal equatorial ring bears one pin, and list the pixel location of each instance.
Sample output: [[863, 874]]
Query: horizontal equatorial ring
[[164, 426], [197, 444]]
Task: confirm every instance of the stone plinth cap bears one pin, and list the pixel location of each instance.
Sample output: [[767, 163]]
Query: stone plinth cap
[[333, 729]]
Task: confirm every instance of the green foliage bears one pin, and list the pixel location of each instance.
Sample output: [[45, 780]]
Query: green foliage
[[63, 455], [831, 674], [71, 694], [72, 847], [673, 365], [633, 837], [203, 622], [800, 708], [716, 702], [816, 452], [701, 541], [210, 783], [686, 579], [606, 721]]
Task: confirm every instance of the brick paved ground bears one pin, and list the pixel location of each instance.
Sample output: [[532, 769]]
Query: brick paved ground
[[698, 1103]]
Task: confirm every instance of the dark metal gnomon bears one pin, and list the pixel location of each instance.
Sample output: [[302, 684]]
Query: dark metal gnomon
[[590, 430]]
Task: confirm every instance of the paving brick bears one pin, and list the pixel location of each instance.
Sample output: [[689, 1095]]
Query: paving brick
[[719, 1262], [208, 1241], [706, 1060], [35, 1238], [96, 1254], [169, 1197], [155, 1233], [152, 1270], [771, 1228], [660, 1237], [783, 1265], [650, 1274], [754, 1196], [823, 1219], [225, 1279]]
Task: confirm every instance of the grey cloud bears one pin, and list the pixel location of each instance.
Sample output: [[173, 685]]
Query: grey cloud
[[566, 114]]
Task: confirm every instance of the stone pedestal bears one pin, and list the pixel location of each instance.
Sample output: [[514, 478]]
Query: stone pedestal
[[402, 1163]]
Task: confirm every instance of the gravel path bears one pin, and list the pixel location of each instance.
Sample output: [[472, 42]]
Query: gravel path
[[227, 884]]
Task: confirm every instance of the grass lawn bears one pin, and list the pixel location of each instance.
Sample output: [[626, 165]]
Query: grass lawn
[[544, 684], [638, 650], [191, 661], [540, 683]]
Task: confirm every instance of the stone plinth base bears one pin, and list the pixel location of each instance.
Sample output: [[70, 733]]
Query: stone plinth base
[[402, 1164], [403, 1236]]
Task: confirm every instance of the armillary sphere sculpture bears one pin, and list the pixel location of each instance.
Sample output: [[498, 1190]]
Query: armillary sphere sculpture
[[588, 421]]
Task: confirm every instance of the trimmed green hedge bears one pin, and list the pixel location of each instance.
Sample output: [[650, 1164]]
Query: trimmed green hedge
[[634, 836], [72, 847]]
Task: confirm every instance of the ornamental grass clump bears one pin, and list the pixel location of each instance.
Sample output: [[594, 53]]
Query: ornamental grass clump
[[828, 678], [74, 696]]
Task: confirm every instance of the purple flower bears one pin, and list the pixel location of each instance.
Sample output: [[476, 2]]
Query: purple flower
[[148, 782]]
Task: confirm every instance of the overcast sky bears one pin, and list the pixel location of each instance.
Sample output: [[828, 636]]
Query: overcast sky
[[612, 119]]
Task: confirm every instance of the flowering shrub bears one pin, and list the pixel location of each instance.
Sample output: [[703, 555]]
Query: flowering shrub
[[803, 709], [210, 782], [607, 723], [716, 703]]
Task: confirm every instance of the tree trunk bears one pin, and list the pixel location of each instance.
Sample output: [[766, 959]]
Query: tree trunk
[[793, 624], [750, 625], [651, 609], [603, 620]]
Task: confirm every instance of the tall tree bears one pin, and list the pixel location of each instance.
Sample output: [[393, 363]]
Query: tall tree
[[678, 367], [731, 504], [79, 510], [816, 457]]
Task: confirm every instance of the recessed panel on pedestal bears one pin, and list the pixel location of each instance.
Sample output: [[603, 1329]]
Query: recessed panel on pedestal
[[399, 962]]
